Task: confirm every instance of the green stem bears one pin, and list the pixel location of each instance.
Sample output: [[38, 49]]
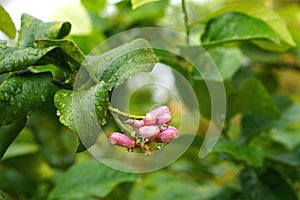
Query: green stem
[[186, 21], [118, 112]]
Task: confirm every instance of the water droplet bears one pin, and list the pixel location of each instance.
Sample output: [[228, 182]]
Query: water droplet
[[20, 105], [35, 92], [62, 105], [62, 120], [29, 116], [57, 113], [16, 63], [65, 94], [68, 111], [71, 119], [108, 58], [43, 98], [9, 68], [92, 114], [130, 150], [33, 53], [222, 116], [99, 108], [97, 103], [159, 145], [97, 94], [103, 122], [25, 58]]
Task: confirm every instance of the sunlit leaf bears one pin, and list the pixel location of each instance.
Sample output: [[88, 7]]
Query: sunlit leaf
[[248, 21], [7, 26], [33, 29], [117, 65]]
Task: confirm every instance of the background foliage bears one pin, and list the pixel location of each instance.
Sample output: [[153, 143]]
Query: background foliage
[[256, 47]]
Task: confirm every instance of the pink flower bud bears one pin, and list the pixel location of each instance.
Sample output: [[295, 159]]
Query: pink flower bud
[[149, 119], [163, 118], [135, 123], [121, 140], [148, 131], [167, 135], [160, 110]]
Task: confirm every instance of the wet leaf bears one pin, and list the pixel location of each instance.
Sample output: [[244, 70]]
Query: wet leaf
[[89, 179], [20, 58], [34, 29], [72, 53], [7, 26], [21, 95], [83, 112], [117, 65]]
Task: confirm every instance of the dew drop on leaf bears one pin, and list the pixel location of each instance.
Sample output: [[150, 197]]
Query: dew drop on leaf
[[159, 145], [12, 101], [57, 113], [20, 105], [130, 150]]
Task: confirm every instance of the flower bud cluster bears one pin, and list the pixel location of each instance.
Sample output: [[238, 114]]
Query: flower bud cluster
[[153, 128]]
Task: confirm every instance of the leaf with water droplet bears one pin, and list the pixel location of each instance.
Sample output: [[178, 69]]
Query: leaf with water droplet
[[79, 112], [74, 55], [17, 95], [33, 29], [20, 58], [125, 61]]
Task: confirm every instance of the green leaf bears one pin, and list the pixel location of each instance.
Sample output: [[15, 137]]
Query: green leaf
[[117, 65], [252, 97], [21, 95], [9, 132], [94, 6], [20, 58], [7, 26], [71, 51], [137, 3], [253, 124], [34, 29], [83, 111], [269, 186], [89, 179], [162, 186], [239, 151]]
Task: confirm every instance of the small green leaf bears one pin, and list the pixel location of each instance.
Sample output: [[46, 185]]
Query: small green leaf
[[89, 179], [21, 95], [252, 97], [7, 26], [117, 65], [34, 29], [71, 51], [9, 132], [83, 111], [239, 151], [137, 3], [93, 6]]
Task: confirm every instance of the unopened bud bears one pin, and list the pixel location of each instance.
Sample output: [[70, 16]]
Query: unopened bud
[[163, 118], [121, 140], [160, 110], [149, 119], [135, 123], [148, 131], [167, 135]]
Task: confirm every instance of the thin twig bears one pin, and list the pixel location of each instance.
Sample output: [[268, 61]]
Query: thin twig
[[186, 21], [118, 112]]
